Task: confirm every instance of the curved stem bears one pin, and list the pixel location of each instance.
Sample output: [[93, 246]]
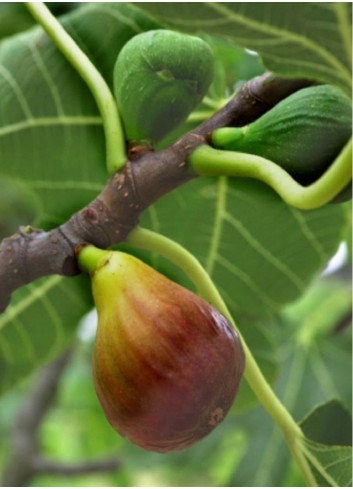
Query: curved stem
[[208, 161], [114, 134], [174, 252]]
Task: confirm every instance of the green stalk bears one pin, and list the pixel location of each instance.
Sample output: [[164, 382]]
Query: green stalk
[[208, 161], [174, 252], [114, 134], [90, 258]]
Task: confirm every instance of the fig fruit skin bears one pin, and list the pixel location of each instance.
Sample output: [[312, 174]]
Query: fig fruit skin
[[160, 77], [303, 133], [166, 364]]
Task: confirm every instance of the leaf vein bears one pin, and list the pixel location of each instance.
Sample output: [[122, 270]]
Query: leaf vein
[[343, 17], [217, 225], [121, 18], [262, 251], [50, 121], [339, 461], [306, 231], [47, 77], [319, 467], [22, 101], [286, 34], [7, 354], [247, 280], [37, 292], [52, 313], [67, 185], [23, 333]]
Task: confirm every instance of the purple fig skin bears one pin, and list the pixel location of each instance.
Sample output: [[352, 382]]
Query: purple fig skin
[[166, 365]]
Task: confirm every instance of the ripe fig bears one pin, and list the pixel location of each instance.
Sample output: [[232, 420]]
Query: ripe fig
[[166, 364]]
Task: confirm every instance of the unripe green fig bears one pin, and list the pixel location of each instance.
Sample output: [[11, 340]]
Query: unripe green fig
[[160, 77], [166, 364], [303, 133]]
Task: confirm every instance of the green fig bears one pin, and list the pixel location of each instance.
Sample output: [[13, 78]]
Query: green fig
[[166, 364], [303, 133], [160, 77]]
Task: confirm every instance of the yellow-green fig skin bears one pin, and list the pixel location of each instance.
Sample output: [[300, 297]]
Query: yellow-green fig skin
[[167, 365]]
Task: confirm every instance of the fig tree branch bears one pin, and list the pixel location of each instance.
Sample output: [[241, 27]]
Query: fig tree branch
[[33, 253], [25, 447], [25, 460]]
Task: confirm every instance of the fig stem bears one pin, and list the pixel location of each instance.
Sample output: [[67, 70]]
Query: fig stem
[[208, 161], [90, 258], [114, 135], [149, 240]]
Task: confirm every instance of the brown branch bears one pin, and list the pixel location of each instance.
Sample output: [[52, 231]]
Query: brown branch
[[25, 446], [25, 460], [31, 254]]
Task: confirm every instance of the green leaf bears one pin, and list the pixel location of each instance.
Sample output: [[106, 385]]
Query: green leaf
[[38, 324], [239, 65], [14, 18], [329, 424], [261, 335], [17, 207], [42, 317], [328, 431], [260, 252], [312, 371], [332, 466], [309, 39], [51, 135], [321, 355]]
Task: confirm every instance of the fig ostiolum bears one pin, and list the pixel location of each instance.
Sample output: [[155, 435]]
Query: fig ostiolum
[[166, 364]]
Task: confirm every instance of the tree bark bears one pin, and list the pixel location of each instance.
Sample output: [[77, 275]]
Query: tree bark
[[32, 253]]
